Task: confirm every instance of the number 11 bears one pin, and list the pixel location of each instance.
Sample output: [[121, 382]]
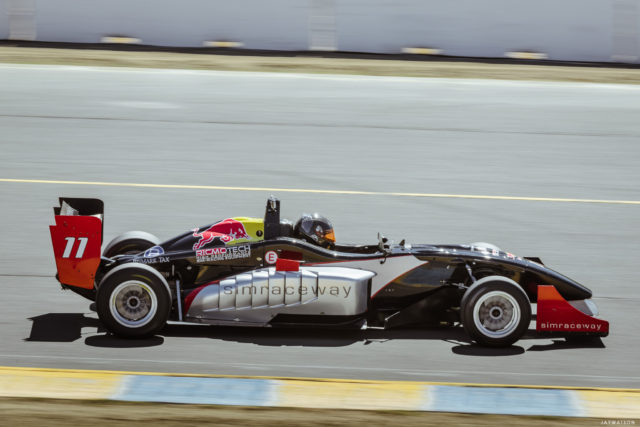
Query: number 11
[[81, 247]]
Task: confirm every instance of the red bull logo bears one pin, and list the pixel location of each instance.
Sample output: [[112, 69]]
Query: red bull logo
[[227, 231]]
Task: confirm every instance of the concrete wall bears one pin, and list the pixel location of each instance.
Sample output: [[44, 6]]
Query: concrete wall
[[4, 20], [576, 30], [260, 24], [564, 29]]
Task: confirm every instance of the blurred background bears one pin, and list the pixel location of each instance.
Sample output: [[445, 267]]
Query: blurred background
[[570, 30], [540, 168]]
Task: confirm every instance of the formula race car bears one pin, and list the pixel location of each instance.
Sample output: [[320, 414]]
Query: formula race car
[[270, 272]]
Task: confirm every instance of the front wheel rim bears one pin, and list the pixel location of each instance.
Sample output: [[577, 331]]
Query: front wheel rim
[[133, 304], [496, 314]]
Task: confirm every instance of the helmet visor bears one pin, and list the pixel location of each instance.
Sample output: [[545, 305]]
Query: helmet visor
[[329, 236]]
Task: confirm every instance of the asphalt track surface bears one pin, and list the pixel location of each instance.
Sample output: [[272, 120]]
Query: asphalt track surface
[[311, 132]]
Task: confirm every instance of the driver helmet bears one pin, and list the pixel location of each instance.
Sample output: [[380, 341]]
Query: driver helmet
[[315, 229]]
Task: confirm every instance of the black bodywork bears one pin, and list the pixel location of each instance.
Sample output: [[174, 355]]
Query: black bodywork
[[430, 293]]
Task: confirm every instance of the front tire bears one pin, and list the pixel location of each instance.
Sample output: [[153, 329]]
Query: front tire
[[133, 301], [495, 311]]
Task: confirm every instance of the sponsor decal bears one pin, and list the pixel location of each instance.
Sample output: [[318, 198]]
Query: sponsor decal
[[223, 253], [226, 231], [153, 252], [152, 256], [335, 291], [571, 326], [154, 260], [271, 257], [511, 256], [495, 252]]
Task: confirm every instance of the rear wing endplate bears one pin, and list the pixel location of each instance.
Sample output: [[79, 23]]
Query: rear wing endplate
[[77, 240]]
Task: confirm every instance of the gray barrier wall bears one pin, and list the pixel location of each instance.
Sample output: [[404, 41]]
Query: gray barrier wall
[[259, 24], [4, 21], [564, 29], [575, 30]]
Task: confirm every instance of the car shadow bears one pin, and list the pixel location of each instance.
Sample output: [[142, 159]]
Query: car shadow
[[61, 327], [311, 337], [478, 350], [569, 344], [68, 327], [112, 341]]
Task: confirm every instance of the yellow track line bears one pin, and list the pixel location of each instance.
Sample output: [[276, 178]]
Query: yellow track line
[[303, 190], [341, 380]]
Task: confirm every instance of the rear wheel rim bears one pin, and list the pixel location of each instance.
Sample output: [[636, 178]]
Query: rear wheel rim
[[496, 314], [133, 304]]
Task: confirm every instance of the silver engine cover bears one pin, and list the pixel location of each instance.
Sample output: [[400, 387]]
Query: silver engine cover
[[255, 297]]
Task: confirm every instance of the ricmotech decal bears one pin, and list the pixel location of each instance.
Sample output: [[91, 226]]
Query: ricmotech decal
[[223, 253]]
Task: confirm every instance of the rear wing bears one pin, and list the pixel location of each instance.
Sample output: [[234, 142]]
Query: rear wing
[[77, 240]]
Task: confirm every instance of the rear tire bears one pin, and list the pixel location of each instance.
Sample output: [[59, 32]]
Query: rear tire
[[495, 311], [133, 301], [131, 242]]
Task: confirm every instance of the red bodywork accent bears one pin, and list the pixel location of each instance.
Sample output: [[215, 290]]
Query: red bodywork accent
[[287, 265], [192, 295], [76, 246], [557, 315]]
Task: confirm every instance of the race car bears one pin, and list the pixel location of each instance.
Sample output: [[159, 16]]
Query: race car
[[270, 272]]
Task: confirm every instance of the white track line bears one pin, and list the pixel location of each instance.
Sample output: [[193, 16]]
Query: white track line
[[339, 192]]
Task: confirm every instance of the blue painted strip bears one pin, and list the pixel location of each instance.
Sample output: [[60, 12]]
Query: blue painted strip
[[262, 392], [216, 391], [497, 400]]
